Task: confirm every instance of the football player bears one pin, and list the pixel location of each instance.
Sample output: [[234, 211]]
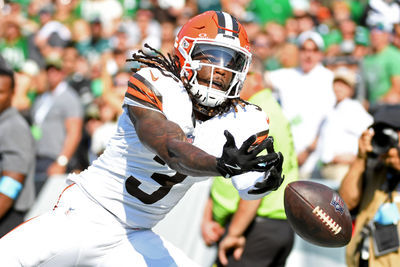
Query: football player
[[182, 121]]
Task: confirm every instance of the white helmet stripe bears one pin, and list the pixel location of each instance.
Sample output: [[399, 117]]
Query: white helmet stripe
[[228, 23]]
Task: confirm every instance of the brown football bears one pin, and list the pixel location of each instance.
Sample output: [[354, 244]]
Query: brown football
[[317, 213]]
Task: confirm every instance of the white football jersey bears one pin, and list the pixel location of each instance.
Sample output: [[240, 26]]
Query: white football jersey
[[132, 182]]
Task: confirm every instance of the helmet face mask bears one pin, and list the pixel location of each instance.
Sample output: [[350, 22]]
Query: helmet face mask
[[206, 50], [206, 61]]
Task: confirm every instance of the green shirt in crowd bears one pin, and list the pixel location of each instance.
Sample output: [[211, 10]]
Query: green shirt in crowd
[[378, 69], [277, 10], [225, 196], [15, 53]]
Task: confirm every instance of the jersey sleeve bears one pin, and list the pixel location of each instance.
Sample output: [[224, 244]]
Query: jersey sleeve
[[143, 93]]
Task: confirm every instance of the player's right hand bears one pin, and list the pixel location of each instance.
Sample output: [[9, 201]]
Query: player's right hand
[[236, 161]]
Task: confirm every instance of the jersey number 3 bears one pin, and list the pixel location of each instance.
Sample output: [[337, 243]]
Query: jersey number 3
[[167, 182]]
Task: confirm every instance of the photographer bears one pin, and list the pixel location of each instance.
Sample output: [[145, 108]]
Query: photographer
[[371, 192]]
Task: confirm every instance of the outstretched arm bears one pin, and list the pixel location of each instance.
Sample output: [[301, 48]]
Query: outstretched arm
[[168, 141]]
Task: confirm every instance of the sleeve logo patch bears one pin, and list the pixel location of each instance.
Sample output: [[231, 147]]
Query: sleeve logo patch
[[153, 77]]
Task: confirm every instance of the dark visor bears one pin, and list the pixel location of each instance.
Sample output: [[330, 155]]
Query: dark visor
[[220, 56]]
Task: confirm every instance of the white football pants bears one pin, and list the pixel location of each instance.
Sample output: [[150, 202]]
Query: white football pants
[[78, 232]]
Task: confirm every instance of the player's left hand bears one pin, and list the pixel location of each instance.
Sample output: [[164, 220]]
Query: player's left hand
[[273, 177], [235, 161], [229, 243]]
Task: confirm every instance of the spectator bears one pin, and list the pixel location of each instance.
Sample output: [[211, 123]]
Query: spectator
[[76, 69], [76, 75], [396, 35], [17, 158], [277, 40], [26, 84], [261, 48], [385, 12], [57, 119], [341, 10], [95, 44], [14, 10], [253, 29], [341, 41], [238, 9], [278, 11], [167, 36], [370, 190], [381, 69], [362, 43], [116, 91], [292, 29], [80, 31], [246, 229], [337, 141], [105, 130], [305, 21], [254, 81], [120, 40], [306, 96], [129, 8], [144, 29], [108, 12], [289, 57], [13, 45], [204, 5], [52, 36], [64, 12]]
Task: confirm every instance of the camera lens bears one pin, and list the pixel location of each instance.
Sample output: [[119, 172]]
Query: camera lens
[[383, 140]]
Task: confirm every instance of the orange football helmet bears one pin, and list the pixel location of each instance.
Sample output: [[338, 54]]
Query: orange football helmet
[[221, 39]]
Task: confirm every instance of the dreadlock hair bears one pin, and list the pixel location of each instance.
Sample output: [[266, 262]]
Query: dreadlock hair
[[169, 66], [158, 61]]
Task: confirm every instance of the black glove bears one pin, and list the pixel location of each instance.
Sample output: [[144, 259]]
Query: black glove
[[272, 178], [236, 161]]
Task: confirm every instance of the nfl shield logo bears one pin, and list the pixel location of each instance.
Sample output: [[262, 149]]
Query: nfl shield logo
[[190, 138], [337, 203]]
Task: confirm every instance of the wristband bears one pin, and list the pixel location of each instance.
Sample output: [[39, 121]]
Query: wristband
[[10, 187]]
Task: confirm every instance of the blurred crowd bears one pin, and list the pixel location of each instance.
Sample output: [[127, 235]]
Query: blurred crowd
[[84, 45]]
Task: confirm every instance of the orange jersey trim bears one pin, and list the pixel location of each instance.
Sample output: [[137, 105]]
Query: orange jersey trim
[[21, 225], [140, 89], [59, 197]]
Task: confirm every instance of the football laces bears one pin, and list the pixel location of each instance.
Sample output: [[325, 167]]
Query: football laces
[[333, 226]]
